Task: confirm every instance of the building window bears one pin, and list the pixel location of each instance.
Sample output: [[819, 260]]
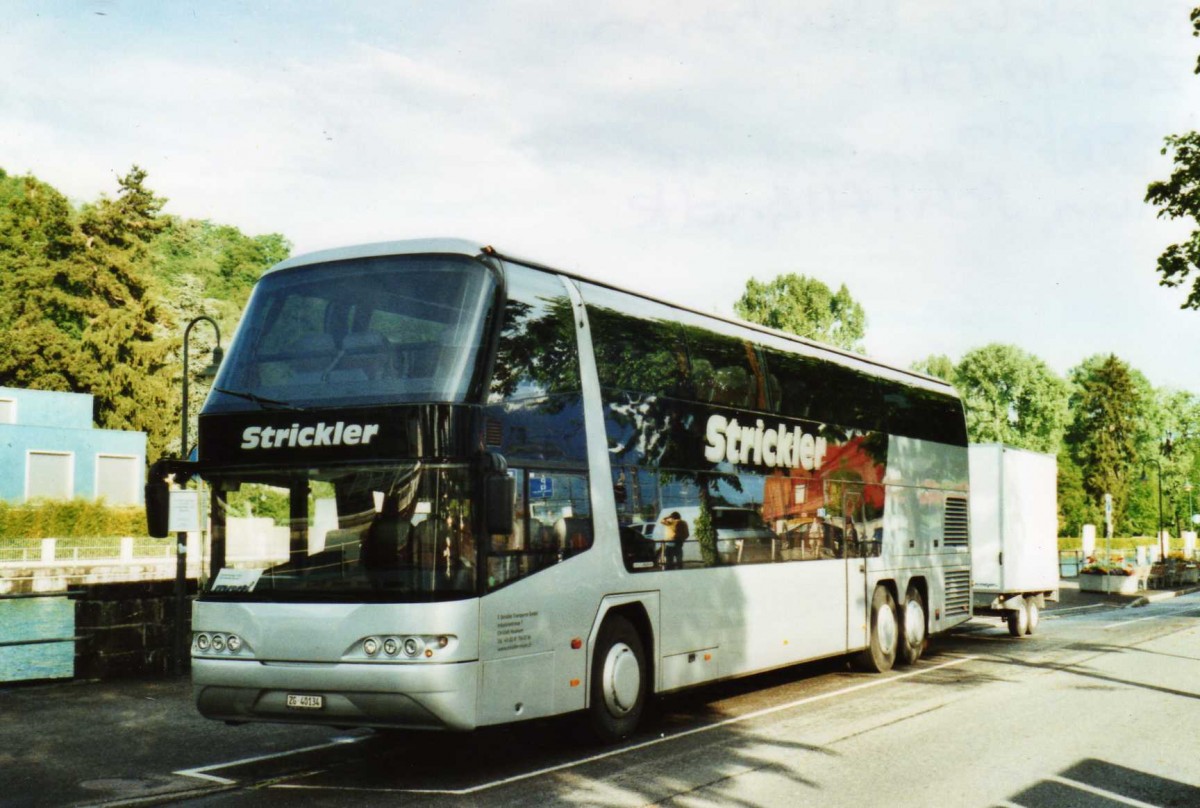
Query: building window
[[8, 410], [50, 475], [117, 479]]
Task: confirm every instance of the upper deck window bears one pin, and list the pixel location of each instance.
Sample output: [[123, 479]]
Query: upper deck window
[[373, 331]]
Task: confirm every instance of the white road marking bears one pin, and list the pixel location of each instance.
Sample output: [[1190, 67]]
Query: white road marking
[[636, 747], [201, 772], [1099, 792], [1127, 622]]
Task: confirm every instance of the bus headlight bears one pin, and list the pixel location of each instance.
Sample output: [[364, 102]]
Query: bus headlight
[[411, 647], [215, 642]]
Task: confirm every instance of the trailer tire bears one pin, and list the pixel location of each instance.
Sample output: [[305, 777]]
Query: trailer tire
[[1032, 615], [880, 654], [619, 681], [913, 637], [1018, 621]]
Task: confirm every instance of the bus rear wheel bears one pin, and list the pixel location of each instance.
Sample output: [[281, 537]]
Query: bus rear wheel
[[880, 654], [618, 687], [913, 638]]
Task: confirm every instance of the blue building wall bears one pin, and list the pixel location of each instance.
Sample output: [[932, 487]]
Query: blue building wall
[[61, 423]]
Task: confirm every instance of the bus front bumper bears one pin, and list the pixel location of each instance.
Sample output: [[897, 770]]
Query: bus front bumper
[[400, 696]]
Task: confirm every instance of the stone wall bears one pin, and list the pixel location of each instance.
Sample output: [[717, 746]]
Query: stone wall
[[127, 629]]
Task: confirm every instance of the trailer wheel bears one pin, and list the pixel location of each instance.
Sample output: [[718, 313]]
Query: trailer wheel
[[618, 690], [1018, 621], [913, 638], [880, 655], [1032, 616]]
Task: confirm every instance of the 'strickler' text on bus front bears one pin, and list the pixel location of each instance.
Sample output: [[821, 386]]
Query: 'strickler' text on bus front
[[323, 434]]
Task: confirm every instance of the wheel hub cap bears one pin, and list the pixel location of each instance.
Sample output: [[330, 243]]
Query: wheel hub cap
[[885, 627], [622, 679], [914, 623]]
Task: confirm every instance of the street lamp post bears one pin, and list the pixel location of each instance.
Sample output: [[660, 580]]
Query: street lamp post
[[181, 538], [1162, 549]]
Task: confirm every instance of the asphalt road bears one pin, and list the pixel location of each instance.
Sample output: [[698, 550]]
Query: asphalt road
[[1100, 708]]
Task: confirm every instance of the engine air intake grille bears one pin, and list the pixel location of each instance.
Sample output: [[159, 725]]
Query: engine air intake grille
[[958, 592], [955, 528]]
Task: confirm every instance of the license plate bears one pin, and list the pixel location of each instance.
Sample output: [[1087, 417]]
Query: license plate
[[298, 702]]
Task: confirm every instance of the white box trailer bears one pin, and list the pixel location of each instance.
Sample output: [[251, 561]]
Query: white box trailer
[[1014, 533]]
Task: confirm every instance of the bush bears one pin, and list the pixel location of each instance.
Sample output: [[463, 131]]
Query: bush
[[65, 519]]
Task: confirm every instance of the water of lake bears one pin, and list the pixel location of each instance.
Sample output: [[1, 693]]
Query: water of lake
[[36, 619]]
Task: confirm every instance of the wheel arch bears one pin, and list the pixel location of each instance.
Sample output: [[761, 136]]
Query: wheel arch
[[641, 610], [921, 584]]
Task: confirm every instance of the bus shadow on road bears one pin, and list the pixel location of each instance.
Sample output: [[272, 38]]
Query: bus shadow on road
[[544, 761], [1098, 782]]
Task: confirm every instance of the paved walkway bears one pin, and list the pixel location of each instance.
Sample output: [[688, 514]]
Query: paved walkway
[[1069, 596]]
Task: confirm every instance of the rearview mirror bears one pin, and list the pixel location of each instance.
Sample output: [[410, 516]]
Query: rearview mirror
[[158, 508], [500, 494]]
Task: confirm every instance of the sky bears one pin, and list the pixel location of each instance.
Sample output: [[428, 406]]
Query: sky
[[973, 172]]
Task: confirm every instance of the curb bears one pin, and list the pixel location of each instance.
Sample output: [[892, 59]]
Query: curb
[[1166, 594]]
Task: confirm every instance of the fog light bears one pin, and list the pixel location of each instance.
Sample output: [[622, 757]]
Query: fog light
[[234, 643], [413, 646], [218, 642], [202, 642], [371, 646], [391, 647]]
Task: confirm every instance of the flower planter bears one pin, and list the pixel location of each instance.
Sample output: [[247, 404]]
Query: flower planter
[[1189, 575], [1110, 584]]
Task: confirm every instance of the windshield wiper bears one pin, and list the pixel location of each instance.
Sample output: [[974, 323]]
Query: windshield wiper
[[265, 403]]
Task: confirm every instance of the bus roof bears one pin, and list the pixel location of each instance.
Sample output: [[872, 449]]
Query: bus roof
[[475, 249]]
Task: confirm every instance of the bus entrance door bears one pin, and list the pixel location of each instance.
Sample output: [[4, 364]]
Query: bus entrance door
[[853, 527]]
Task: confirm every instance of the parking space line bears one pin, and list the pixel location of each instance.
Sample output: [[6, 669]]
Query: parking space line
[[459, 792], [1100, 792], [201, 772], [1127, 622]]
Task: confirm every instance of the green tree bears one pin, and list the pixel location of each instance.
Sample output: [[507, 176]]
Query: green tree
[[1102, 438], [1012, 397], [93, 300], [1180, 460], [124, 357], [1178, 197], [806, 307], [1075, 506], [937, 365]]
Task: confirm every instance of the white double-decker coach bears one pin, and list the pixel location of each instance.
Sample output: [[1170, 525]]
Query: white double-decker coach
[[451, 488]]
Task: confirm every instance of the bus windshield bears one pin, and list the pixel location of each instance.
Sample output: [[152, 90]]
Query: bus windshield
[[399, 533], [367, 331]]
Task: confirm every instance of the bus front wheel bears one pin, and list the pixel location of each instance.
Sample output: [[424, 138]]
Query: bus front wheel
[[618, 687], [880, 655]]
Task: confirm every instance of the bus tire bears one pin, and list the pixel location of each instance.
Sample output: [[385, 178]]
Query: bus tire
[[880, 653], [913, 637], [1032, 616], [1018, 621], [619, 680]]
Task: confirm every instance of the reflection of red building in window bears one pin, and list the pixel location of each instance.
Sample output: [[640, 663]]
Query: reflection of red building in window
[[799, 494]]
